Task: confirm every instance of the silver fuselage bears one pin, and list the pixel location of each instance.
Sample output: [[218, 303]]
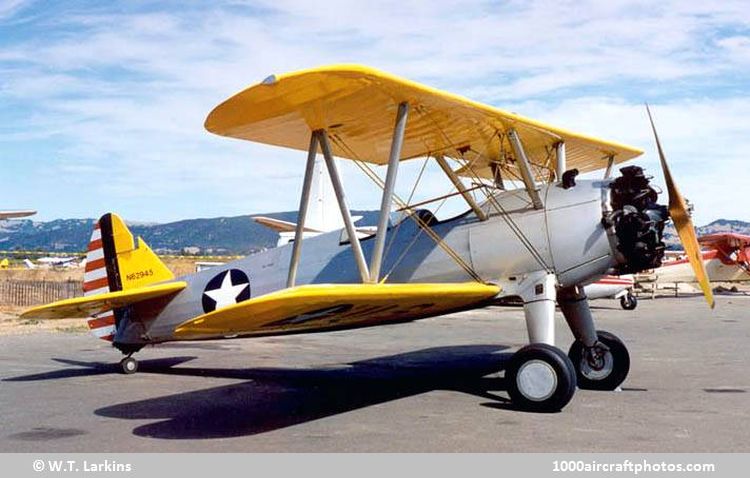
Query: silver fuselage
[[565, 238]]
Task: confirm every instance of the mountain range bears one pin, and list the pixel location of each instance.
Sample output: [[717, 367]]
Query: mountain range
[[237, 235], [716, 227]]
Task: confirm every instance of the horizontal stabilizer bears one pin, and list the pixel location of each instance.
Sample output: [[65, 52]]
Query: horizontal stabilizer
[[80, 307], [331, 306], [280, 226]]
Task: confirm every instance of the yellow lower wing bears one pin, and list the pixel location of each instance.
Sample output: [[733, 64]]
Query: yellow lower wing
[[80, 307], [326, 306]]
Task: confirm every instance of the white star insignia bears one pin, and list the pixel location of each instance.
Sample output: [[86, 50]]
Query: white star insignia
[[227, 293]]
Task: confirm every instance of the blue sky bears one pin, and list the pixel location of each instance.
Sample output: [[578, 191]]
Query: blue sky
[[103, 103]]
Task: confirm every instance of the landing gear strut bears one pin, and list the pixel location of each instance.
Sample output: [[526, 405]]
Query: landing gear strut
[[129, 365], [541, 378], [600, 359]]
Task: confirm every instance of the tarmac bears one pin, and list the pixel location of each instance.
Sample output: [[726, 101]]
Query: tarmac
[[433, 385]]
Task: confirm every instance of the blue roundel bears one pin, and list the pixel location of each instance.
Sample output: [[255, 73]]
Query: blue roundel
[[226, 288]]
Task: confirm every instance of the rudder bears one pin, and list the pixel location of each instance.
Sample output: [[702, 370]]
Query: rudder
[[115, 261]]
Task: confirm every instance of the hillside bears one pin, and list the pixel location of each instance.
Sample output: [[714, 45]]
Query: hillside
[[215, 236], [718, 226]]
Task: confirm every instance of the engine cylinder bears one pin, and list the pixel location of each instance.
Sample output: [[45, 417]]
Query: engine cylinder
[[638, 221]]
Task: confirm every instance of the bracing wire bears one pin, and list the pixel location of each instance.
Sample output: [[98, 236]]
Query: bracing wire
[[493, 201], [413, 240], [394, 233], [428, 230]]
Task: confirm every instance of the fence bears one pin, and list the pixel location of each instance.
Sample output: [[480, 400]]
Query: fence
[[26, 293]]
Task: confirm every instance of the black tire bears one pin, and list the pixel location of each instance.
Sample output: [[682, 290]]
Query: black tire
[[561, 390], [628, 302], [613, 371], [129, 365]]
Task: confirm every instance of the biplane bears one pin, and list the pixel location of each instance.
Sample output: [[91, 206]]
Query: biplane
[[541, 240], [322, 216], [726, 257]]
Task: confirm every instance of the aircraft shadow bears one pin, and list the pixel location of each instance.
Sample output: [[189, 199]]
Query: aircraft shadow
[[86, 369], [272, 398], [275, 398]]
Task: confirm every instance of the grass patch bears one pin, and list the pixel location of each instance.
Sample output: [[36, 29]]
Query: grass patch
[[73, 329]]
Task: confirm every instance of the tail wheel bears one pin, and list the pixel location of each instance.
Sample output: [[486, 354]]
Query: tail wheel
[[628, 301], [129, 365], [540, 378], [603, 366]]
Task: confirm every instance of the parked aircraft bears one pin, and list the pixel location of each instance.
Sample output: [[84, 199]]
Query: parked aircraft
[[726, 257], [52, 262], [540, 242], [614, 287]]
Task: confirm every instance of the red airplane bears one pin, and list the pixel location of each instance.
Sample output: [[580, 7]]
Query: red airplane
[[726, 257]]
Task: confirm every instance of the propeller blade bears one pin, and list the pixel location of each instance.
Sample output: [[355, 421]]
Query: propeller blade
[[679, 212]]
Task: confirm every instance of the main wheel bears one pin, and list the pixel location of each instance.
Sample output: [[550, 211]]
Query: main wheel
[[628, 301], [129, 365], [602, 367], [540, 378]]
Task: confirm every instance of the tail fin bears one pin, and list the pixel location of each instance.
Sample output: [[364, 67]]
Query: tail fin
[[117, 261], [323, 211]]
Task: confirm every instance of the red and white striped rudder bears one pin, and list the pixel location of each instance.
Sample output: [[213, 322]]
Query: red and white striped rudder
[[96, 281]]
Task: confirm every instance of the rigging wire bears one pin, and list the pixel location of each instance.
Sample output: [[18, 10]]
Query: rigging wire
[[428, 230], [413, 240], [514, 227], [491, 197], [394, 233]]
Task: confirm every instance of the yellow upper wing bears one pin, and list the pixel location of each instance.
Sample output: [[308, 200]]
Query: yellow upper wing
[[327, 306], [357, 105], [87, 306]]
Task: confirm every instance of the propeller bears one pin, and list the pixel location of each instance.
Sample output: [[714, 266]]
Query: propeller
[[678, 210]]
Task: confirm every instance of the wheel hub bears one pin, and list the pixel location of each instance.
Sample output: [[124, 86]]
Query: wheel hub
[[536, 380], [597, 362]]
